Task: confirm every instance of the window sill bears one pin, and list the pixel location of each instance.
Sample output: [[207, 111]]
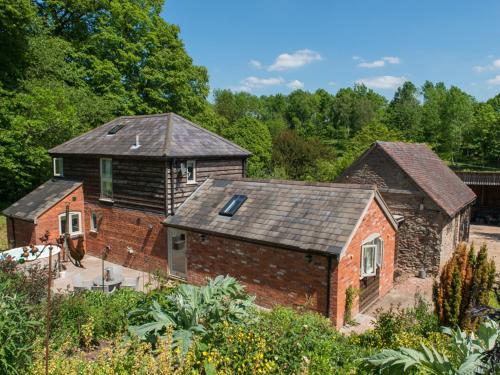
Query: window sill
[[93, 231], [191, 182], [106, 200], [177, 278]]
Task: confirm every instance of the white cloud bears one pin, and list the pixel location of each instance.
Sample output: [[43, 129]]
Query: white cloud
[[295, 84], [332, 83], [372, 64], [380, 63], [494, 81], [256, 64], [495, 64], [392, 59], [382, 82], [356, 58], [298, 59], [250, 83]]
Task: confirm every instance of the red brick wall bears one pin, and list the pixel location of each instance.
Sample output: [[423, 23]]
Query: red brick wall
[[274, 275], [49, 220], [348, 270], [120, 228], [20, 232]]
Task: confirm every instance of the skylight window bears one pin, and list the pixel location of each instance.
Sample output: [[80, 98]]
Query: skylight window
[[115, 129], [233, 205]]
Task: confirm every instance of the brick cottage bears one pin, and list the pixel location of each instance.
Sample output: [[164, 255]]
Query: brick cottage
[[289, 242], [129, 185], [431, 202]]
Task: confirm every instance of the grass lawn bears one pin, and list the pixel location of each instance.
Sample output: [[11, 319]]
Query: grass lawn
[[3, 233]]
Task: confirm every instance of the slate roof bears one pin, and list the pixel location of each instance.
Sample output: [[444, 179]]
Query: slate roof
[[431, 174], [165, 135], [41, 199], [307, 216]]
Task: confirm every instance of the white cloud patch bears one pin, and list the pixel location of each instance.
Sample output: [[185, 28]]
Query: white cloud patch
[[380, 63], [494, 81], [298, 59], [295, 84], [495, 65], [255, 64], [392, 59], [355, 58], [382, 82], [332, 83], [372, 64], [250, 83]]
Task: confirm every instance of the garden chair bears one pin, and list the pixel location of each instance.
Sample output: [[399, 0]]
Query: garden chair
[[130, 283]]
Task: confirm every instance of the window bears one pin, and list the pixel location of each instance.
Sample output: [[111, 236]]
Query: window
[[115, 129], [177, 252], [106, 179], [191, 171], [233, 205], [372, 255], [75, 219], [93, 222], [58, 167]]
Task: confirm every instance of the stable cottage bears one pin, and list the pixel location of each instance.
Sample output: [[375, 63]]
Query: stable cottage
[[428, 199]]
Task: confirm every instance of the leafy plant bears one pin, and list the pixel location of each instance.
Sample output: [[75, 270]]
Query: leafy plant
[[467, 349], [350, 294], [194, 311]]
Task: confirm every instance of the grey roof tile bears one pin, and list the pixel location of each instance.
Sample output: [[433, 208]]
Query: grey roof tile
[[307, 216], [165, 135], [41, 199]]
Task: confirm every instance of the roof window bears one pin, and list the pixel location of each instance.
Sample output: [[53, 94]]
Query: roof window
[[115, 129], [233, 205]]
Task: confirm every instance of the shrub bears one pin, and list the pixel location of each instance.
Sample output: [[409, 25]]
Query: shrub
[[17, 334], [306, 340], [465, 282], [121, 357], [102, 315]]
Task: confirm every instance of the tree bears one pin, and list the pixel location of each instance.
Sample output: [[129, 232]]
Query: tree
[[404, 111], [465, 282], [253, 135], [297, 156], [235, 105]]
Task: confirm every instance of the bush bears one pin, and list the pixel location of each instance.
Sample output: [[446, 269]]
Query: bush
[[105, 315]]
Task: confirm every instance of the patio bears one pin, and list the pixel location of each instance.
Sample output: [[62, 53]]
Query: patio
[[93, 271]]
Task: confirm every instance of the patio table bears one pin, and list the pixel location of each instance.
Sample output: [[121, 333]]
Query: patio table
[[109, 285]]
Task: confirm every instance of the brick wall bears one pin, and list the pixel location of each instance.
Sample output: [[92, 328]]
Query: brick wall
[[20, 232], [347, 272], [49, 220], [121, 229], [274, 275]]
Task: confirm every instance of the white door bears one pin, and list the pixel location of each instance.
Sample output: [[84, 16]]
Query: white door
[[177, 252]]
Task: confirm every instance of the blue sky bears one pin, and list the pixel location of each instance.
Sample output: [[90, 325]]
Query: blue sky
[[266, 47]]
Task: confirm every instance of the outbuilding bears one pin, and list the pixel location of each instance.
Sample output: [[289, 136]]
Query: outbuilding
[[291, 243]]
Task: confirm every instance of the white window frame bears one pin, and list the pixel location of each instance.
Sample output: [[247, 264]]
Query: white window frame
[[376, 243], [71, 232], [93, 226], [54, 163], [193, 163], [106, 179]]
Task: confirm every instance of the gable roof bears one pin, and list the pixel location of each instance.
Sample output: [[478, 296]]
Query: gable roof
[[164, 135], [315, 217], [32, 205], [430, 174]]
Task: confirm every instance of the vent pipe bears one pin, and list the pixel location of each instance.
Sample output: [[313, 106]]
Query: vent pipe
[[136, 144]]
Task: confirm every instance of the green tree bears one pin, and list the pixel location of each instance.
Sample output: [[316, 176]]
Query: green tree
[[404, 112], [253, 135]]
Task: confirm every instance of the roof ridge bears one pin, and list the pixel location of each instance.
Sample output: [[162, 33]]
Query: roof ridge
[[210, 132], [300, 183], [168, 135], [142, 116]]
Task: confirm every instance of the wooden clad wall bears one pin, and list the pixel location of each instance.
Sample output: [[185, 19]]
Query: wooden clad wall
[[137, 183], [204, 168]]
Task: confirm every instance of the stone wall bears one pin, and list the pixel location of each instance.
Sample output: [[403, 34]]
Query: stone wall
[[420, 234], [454, 232]]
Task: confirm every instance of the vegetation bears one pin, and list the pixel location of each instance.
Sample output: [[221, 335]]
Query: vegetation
[[466, 281], [72, 66], [3, 233]]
